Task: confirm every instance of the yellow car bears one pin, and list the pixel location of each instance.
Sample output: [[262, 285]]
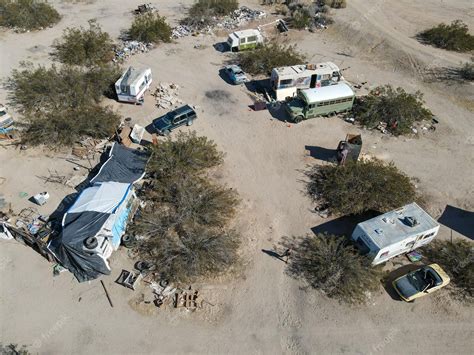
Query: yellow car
[[420, 282]]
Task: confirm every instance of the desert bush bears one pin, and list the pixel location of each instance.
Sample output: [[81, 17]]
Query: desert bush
[[454, 37], [466, 72], [186, 155], [457, 259], [184, 222], [358, 187], [333, 266], [194, 200], [62, 103], [266, 57], [335, 4], [397, 108], [150, 28], [27, 14], [192, 253], [86, 47], [205, 12]]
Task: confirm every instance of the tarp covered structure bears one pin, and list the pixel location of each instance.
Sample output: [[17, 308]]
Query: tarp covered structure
[[93, 226]]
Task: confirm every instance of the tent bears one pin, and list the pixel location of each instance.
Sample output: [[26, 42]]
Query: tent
[[93, 226]]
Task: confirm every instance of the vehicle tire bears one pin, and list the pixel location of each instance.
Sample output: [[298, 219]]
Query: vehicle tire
[[128, 241], [166, 132], [164, 283], [142, 266], [189, 123], [298, 119], [91, 243]]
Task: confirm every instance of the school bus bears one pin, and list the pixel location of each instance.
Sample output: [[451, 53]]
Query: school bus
[[323, 101]]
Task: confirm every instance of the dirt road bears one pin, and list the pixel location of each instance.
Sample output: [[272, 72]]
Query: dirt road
[[263, 311]]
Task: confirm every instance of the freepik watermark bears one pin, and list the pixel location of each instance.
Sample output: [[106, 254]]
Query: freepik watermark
[[44, 337]]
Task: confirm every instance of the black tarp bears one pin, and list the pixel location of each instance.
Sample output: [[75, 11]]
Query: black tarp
[[123, 165]]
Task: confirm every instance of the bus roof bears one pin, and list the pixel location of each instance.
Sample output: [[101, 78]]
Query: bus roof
[[246, 33], [305, 70], [325, 93]]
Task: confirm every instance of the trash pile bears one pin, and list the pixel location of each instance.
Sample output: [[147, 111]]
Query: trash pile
[[181, 31], [88, 146], [144, 8], [240, 16], [237, 18], [129, 48], [166, 95]]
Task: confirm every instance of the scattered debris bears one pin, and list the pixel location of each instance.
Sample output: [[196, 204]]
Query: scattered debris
[[126, 49], [144, 8], [41, 198], [107, 294], [137, 133], [166, 95], [181, 31], [129, 279], [187, 299]]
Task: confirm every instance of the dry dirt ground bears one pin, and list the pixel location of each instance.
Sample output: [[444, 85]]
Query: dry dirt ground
[[262, 311]]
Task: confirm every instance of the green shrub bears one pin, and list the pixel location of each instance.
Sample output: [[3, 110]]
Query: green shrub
[[332, 265], [27, 14], [186, 155], [86, 47], [184, 222], [335, 4], [398, 109], [457, 259], [206, 12], [358, 187], [150, 28], [264, 58], [454, 37], [466, 72], [301, 18], [60, 105]]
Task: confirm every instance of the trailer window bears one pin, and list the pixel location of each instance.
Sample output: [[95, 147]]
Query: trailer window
[[243, 40], [383, 255], [285, 83], [252, 39], [428, 235]]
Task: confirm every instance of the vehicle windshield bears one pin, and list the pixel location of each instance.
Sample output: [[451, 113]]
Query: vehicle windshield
[[421, 279], [297, 103]]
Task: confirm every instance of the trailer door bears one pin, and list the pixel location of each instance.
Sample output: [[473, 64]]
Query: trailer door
[[314, 77]]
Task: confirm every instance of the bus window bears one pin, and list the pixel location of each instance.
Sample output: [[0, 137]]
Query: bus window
[[285, 83]]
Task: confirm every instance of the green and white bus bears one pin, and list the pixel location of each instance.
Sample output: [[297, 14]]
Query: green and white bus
[[322, 101]]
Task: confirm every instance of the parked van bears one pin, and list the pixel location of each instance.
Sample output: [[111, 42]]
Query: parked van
[[246, 39], [327, 100], [394, 233], [132, 85], [286, 81]]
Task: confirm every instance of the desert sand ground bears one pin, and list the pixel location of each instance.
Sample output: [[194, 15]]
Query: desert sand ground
[[262, 311]]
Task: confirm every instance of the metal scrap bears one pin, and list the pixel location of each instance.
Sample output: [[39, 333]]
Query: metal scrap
[[128, 48]]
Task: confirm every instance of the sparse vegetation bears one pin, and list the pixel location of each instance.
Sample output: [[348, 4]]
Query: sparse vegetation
[[184, 223], [85, 47], [466, 72], [204, 12], [457, 259], [27, 14], [395, 107], [454, 37], [332, 265], [61, 105], [266, 57], [335, 4], [358, 187], [150, 28]]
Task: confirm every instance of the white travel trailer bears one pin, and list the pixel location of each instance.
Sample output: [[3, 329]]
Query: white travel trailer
[[394, 233], [132, 85], [286, 81], [246, 39]]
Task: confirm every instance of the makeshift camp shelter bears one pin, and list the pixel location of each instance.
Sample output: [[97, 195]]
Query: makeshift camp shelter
[[93, 226]]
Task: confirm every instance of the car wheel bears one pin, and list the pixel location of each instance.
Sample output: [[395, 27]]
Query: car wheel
[[298, 119], [166, 132], [189, 123], [91, 243]]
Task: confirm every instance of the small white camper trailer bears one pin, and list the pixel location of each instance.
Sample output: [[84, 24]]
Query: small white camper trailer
[[394, 233], [286, 81], [246, 39], [132, 85]]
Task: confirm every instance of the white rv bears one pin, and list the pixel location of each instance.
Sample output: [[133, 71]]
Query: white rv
[[132, 85], [286, 81], [246, 39], [394, 233]]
